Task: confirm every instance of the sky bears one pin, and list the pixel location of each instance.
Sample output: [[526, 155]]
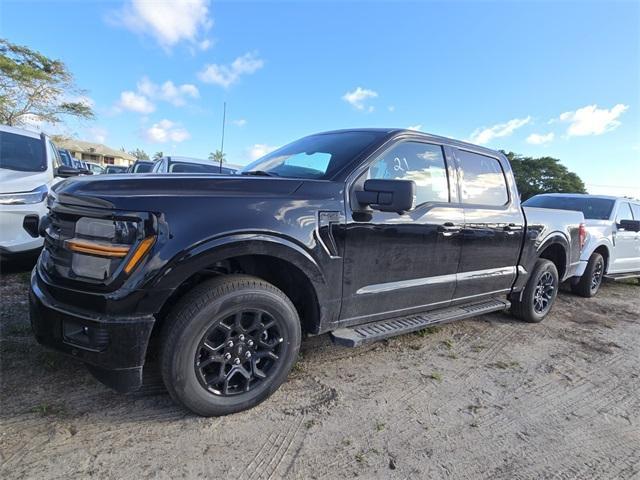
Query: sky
[[538, 78]]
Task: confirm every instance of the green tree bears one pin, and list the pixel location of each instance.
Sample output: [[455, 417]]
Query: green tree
[[543, 175], [35, 87], [218, 156], [158, 155], [139, 154]]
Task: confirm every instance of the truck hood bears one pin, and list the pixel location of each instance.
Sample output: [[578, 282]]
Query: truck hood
[[139, 192], [12, 181]]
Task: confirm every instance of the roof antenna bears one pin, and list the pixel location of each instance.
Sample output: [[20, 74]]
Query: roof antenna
[[224, 118]]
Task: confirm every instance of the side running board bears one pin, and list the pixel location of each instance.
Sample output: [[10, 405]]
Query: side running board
[[372, 332]]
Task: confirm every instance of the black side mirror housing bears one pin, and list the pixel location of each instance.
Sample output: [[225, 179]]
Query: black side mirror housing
[[629, 225], [65, 171], [388, 195]]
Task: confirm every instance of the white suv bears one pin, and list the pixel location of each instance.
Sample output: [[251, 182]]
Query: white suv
[[612, 248], [29, 166]]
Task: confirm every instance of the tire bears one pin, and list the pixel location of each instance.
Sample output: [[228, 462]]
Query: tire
[[526, 308], [589, 283], [197, 359]]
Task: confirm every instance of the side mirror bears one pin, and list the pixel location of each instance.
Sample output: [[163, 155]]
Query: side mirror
[[64, 171], [388, 195], [629, 225]]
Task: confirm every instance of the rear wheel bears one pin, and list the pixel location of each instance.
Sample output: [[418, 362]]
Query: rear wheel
[[539, 293], [589, 283], [229, 344]]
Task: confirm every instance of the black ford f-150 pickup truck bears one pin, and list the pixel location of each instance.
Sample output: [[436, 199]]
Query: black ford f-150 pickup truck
[[363, 233]]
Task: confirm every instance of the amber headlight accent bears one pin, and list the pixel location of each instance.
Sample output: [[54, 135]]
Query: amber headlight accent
[[139, 254], [96, 248], [101, 246]]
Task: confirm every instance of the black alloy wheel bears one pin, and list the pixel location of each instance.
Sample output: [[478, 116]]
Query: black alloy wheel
[[596, 276], [591, 280], [229, 344], [239, 352], [534, 303], [544, 293]]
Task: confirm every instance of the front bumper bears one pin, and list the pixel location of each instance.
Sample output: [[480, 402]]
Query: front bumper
[[17, 234], [113, 347]]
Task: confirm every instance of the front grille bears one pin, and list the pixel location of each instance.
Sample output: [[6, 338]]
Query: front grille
[[57, 259]]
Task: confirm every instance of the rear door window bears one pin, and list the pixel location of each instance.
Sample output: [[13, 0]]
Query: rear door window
[[635, 208], [482, 180]]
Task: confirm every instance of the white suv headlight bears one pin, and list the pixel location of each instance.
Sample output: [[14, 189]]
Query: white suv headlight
[[24, 198]]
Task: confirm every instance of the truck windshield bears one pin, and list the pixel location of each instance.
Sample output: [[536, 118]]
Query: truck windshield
[[591, 208], [142, 167], [314, 157], [21, 153]]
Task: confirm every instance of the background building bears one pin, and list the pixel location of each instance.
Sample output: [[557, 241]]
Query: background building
[[95, 152]]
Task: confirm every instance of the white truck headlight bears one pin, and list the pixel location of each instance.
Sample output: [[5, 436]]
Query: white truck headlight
[[25, 198]]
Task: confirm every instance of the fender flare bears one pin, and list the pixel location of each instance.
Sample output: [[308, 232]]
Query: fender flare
[[194, 259], [606, 243], [556, 238]]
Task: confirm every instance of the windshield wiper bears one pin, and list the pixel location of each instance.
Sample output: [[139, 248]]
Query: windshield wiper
[[260, 173]]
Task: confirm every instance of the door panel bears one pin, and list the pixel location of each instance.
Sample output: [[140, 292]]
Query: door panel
[[626, 252], [491, 246], [493, 226], [397, 262]]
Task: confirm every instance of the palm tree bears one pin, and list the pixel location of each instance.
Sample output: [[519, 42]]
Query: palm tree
[[158, 155], [218, 156]]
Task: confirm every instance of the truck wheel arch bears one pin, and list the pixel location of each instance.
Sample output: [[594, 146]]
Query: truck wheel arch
[[603, 250], [556, 249], [279, 261]]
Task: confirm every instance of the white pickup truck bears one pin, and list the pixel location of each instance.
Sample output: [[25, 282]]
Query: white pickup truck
[[612, 248]]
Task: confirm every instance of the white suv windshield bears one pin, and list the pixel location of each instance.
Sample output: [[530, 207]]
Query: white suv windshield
[[21, 153]]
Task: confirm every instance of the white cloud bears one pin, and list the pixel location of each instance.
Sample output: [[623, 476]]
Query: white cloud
[[135, 103], [540, 138], [164, 131], [260, 150], [484, 135], [169, 22], [205, 44], [97, 134], [591, 120], [358, 98], [227, 75], [415, 127], [391, 108], [168, 91], [241, 122]]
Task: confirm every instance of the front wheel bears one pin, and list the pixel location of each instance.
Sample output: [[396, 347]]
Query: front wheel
[[539, 293], [591, 279], [229, 344]]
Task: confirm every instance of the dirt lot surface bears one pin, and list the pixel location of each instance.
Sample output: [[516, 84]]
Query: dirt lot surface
[[484, 398]]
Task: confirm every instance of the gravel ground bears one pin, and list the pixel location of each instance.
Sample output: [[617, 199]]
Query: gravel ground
[[484, 398]]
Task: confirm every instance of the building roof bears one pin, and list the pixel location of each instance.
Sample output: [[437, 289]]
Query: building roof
[[93, 148]]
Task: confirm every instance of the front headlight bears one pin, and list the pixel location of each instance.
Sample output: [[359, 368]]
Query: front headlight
[[24, 198], [100, 246]]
